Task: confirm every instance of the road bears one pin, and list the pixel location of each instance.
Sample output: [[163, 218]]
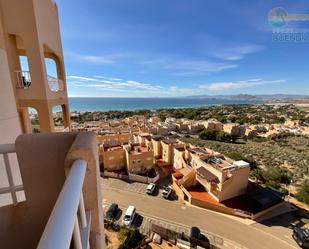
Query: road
[[177, 213]]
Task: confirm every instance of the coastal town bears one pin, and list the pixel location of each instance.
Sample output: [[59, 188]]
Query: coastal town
[[145, 148], [157, 127]]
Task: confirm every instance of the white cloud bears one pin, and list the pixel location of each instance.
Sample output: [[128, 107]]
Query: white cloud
[[219, 86], [96, 59], [100, 82], [232, 53], [182, 67]]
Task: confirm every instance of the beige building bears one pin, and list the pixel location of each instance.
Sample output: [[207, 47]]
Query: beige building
[[235, 129], [139, 159], [157, 146], [56, 175], [168, 146], [154, 120], [115, 138], [213, 125], [221, 177], [29, 41], [112, 157]]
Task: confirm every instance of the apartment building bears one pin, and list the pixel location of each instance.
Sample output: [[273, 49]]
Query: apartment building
[[235, 129], [168, 146], [213, 125], [221, 177], [112, 157], [30, 40], [44, 177], [115, 138], [139, 159], [157, 146], [154, 120]]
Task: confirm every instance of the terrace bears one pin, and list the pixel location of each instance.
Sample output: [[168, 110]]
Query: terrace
[[138, 149], [218, 163], [60, 179]]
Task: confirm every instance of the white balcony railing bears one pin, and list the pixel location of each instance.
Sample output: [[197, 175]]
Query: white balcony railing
[[23, 79], [64, 220], [5, 150], [55, 84]]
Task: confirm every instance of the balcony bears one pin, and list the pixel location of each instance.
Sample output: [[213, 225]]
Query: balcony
[[60, 178], [55, 85], [23, 79]]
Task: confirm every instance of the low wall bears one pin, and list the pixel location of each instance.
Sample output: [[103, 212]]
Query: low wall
[[177, 189], [115, 175], [266, 211], [132, 177], [204, 204], [144, 179]]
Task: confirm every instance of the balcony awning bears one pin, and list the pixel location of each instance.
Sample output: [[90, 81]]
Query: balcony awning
[[207, 175]]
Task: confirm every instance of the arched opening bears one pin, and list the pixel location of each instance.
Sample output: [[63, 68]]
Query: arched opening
[[54, 70], [34, 120], [58, 118]]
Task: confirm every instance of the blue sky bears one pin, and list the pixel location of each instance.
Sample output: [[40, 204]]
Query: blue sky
[[165, 48]]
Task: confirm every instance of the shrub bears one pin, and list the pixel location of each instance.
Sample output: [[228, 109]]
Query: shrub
[[207, 135], [134, 238], [303, 193]]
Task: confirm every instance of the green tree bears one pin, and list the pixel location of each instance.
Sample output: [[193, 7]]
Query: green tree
[[207, 135], [223, 136]]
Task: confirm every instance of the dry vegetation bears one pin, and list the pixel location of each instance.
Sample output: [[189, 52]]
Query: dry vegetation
[[291, 153]]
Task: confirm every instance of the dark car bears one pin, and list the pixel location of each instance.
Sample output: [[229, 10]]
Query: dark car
[[112, 211], [301, 236]]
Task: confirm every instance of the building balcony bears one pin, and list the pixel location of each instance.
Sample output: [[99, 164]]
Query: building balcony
[[23, 81], [55, 85], [60, 180]]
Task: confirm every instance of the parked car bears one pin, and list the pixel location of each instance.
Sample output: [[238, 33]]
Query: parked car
[[150, 188], [112, 211], [167, 191], [301, 236], [129, 216]]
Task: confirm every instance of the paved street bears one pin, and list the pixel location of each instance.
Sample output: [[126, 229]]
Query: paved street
[[220, 228]]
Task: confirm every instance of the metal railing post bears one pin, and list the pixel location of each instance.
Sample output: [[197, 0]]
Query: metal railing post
[[76, 235], [82, 211], [10, 177]]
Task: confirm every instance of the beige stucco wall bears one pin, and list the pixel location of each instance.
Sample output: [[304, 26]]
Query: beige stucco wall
[[10, 126], [238, 186], [167, 152], [32, 29], [141, 160], [122, 138], [178, 161], [157, 148], [114, 159]]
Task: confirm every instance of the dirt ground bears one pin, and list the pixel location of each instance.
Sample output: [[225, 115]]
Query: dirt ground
[[112, 239]]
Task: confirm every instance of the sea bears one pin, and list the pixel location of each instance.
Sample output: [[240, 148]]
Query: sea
[[107, 104]]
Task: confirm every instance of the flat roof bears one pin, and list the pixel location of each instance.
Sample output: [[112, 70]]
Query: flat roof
[[207, 175], [169, 141], [218, 162]]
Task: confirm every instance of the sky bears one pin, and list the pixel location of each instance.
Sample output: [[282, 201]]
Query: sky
[[175, 48]]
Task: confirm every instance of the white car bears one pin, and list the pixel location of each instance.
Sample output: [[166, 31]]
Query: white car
[[167, 191], [150, 188], [129, 216]]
